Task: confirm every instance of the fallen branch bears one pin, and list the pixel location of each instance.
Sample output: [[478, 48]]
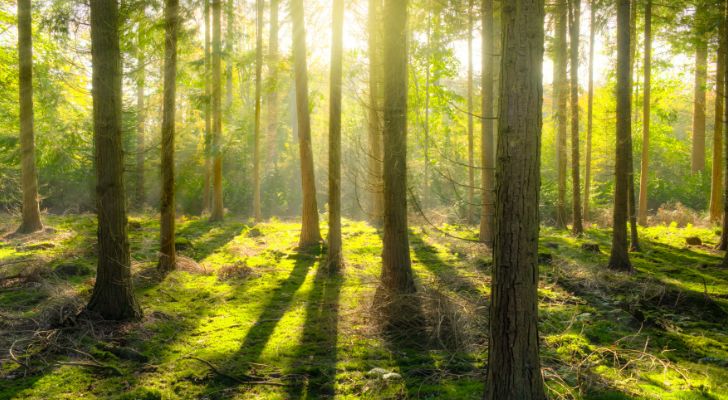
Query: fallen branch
[[93, 364]]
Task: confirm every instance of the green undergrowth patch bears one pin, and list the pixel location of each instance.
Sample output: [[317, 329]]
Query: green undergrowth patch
[[249, 315]]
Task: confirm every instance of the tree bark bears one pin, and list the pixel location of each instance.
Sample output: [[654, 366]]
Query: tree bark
[[701, 75], [113, 295], [619, 258], [29, 177], [375, 156], [258, 94], [272, 99], [310, 233], [631, 201], [724, 231], [590, 111], [206, 190], [645, 162], [217, 208], [471, 138], [396, 266], [335, 257], [167, 251], [428, 79], [229, 38], [716, 182], [514, 368], [574, 17], [561, 94], [139, 193], [487, 142]]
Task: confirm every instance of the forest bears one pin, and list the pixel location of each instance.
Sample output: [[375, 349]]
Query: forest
[[364, 199]]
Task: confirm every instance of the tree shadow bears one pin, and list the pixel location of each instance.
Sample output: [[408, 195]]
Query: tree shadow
[[446, 273]]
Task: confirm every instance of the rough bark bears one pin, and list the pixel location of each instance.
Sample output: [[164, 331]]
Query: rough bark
[[139, 193], [514, 368], [375, 157], [471, 138], [631, 200], [310, 233], [258, 93], [645, 161], [272, 98], [574, 16], [217, 211], [561, 94], [701, 76], [716, 182], [619, 258], [487, 142], [29, 177], [590, 112], [206, 190], [113, 295], [723, 244], [334, 257], [167, 251]]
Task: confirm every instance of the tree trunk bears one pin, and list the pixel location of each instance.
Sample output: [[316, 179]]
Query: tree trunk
[[716, 182], [375, 157], [428, 78], [139, 196], [631, 201], [272, 100], [334, 254], [113, 296], [619, 259], [217, 209], [701, 75], [167, 253], [645, 162], [724, 231], [471, 139], [561, 94], [487, 155], [514, 368], [574, 16], [396, 266], [206, 190], [590, 112], [310, 234], [258, 93], [229, 34], [29, 177]]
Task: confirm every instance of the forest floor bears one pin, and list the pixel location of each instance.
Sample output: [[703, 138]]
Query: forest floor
[[254, 317]]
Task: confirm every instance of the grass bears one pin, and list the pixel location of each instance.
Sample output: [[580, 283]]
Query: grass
[[275, 314]]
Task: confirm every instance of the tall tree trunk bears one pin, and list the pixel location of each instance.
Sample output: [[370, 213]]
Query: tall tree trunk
[[574, 16], [29, 177], [396, 266], [590, 111], [619, 258], [310, 233], [645, 162], [631, 201], [272, 100], [724, 231], [206, 198], [167, 252], [487, 142], [334, 253], [113, 295], [229, 38], [217, 209], [375, 157], [701, 76], [716, 182], [471, 139], [139, 196], [428, 78], [258, 93], [561, 94], [514, 368]]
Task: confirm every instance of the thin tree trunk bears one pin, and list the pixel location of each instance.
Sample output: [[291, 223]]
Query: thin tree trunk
[[645, 162], [716, 186], [375, 157], [167, 251], [428, 76], [334, 257], [471, 139], [574, 16], [272, 100], [229, 34], [139, 197], [258, 93], [561, 94], [514, 367], [619, 258], [310, 233], [113, 295], [701, 76], [206, 190], [590, 112], [487, 156], [631, 201], [217, 208], [724, 231], [29, 177]]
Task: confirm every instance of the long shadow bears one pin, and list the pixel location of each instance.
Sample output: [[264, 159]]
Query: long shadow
[[316, 356], [202, 242], [445, 272]]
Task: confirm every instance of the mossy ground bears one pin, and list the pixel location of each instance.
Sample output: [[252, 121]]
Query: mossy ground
[[275, 313]]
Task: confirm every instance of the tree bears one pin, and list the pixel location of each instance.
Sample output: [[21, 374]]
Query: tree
[[374, 117], [471, 139], [561, 93], [258, 84], [487, 142], [167, 253], [272, 100], [716, 182], [217, 208], [724, 231], [574, 16], [206, 203], [29, 177], [645, 162], [113, 296], [334, 253], [590, 110], [310, 233], [701, 75], [619, 258], [139, 196], [514, 368], [396, 265]]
